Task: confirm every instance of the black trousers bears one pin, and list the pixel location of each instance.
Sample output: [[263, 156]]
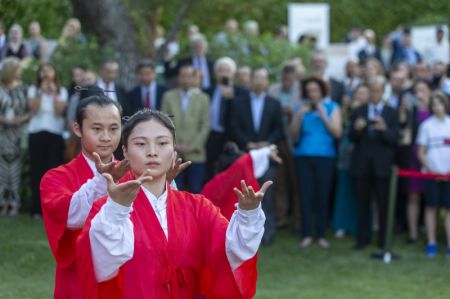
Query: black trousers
[[46, 152], [214, 147], [368, 187], [315, 176], [268, 204]]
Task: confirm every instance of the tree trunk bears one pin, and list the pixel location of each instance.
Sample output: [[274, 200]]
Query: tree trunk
[[111, 23]]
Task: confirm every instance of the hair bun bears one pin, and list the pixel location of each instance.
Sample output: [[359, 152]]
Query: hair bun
[[90, 90]]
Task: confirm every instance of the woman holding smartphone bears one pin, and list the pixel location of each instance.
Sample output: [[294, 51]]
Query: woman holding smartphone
[[314, 129]]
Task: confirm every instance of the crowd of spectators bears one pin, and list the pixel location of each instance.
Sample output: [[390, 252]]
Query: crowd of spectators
[[338, 137]]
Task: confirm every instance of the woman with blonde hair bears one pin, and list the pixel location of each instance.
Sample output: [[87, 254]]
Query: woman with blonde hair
[[13, 116]]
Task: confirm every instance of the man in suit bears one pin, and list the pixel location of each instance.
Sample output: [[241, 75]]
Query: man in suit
[[148, 94], [374, 132], [256, 121], [370, 50], [319, 67], [404, 50], [190, 110], [222, 95], [198, 59], [109, 72]]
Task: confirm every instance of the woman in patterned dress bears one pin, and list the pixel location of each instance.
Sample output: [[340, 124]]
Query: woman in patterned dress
[[13, 117]]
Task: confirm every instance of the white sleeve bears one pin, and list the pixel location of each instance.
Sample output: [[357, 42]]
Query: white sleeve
[[244, 234], [63, 94], [261, 160], [82, 200], [112, 239], [422, 135], [31, 92]]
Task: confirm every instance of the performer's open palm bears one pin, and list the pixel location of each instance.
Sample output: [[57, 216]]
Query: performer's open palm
[[125, 193], [177, 168], [117, 170], [248, 198]]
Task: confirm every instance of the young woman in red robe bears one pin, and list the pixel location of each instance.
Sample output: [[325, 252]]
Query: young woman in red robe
[[146, 240]]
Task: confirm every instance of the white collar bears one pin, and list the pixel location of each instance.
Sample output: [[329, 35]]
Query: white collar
[[152, 198]]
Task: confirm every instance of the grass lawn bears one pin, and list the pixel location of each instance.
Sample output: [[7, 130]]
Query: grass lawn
[[27, 268]]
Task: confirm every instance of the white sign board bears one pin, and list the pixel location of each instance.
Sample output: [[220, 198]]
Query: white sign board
[[422, 37], [312, 19]]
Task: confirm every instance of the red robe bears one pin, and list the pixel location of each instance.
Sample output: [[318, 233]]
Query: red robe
[[57, 187], [191, 262], [220, 188]]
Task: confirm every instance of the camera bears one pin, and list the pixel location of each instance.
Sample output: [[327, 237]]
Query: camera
[[225, 81]]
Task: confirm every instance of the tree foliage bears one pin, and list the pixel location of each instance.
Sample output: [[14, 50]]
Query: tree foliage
[[51, 14]]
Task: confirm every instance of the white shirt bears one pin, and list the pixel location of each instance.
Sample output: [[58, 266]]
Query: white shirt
[[152, 90], [45, 118], [112, 237], [2, 40], [434, 134], [438, 52], [200, 63], [379, 110], [257, 106], [110, 89], [185, 99]]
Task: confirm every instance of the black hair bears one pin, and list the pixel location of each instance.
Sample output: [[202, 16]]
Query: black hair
[[424, 81], [288, 69], [322, 85], [145, 63], [92, 95], [229, 154], [39, 79], [184, 66], [147, 115], [442, 98]]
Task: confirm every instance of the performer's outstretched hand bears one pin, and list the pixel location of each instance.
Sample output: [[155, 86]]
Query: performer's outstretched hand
[[116, 170], [125, 193], [248, 198], [177, 168], [274, 154]]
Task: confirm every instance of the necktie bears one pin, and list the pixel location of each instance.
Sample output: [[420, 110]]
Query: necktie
[[148, 101]]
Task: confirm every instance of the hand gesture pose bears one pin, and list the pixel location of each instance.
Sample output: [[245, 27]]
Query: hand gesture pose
[[274, 154], [125, 193], [380, 124], [248, 198], [177, 168], [116, 170], [360, 124]]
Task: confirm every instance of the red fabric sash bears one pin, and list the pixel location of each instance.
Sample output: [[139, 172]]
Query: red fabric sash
[[422, 175]]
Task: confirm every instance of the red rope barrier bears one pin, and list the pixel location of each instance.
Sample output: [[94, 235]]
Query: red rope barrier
[[421, 175]]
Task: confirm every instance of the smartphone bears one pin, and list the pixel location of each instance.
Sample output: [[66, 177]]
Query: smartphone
[[225, 81], [313, 106]]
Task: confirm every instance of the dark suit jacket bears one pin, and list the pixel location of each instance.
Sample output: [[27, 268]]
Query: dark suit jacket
[[122, 98], [171, 68], [378, 147], [337, 90], [271, 127], [226, 105], [363, 55], [137, 102]]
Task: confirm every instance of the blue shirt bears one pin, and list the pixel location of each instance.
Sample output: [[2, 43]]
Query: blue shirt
[[315, 140]]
